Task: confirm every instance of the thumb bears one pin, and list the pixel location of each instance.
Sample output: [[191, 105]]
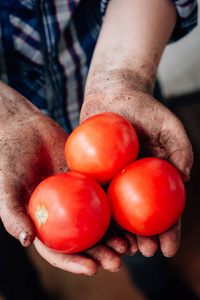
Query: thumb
[[182, 160], [15, 219], [180, 150]]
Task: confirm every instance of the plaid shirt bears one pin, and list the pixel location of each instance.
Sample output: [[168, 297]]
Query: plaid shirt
[[46, 48]]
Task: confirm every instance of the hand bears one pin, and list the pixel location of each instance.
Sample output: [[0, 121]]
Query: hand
[[121, 80], [160, 132], [32, 148], [105, 254]]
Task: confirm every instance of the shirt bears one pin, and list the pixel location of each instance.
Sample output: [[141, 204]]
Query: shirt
[[46, 48]]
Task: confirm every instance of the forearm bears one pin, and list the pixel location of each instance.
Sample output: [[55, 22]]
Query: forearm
[[132, 39]]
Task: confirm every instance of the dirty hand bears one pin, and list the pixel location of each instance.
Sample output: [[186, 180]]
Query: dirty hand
[[121, 79], [32, 148], [161, 134]]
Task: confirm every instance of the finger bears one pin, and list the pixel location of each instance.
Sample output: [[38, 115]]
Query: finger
[[147, 245], [16, 221], [74, 263], [181, 153], [132, 243], [129, 237], [105, 257], [170, 240], [116, 242]]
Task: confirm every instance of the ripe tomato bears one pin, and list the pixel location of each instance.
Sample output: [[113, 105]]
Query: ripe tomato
[[71, 212], [147, 197], [102, 146]]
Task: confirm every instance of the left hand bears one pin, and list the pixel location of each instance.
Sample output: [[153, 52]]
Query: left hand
[[160, 133], [121, 80]]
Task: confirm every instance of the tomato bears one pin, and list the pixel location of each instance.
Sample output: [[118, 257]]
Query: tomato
[[102, 146], [70, 212], [147, 197]]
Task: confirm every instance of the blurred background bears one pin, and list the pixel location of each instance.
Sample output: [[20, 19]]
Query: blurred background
[[144, 278]]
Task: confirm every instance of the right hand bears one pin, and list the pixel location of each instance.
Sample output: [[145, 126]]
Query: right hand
[[32, 148]]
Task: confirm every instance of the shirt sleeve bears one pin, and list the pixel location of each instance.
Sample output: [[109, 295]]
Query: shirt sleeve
[[186, 21]]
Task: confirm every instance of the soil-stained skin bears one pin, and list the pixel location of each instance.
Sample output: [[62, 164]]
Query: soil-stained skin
[[31, 148], [130, 94]]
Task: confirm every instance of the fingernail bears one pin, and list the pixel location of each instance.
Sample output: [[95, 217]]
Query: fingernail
[[93, 274], [187, 171], [186, 176], [23, 237], [117, 270]]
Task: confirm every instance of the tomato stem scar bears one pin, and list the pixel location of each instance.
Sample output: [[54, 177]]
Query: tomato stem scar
[[41, 215]]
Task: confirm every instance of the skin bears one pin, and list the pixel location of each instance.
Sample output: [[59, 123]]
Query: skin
[[121, 80], [32, 148]]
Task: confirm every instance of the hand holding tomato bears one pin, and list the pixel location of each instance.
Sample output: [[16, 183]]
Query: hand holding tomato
[[147, 197], [32, 148], [105, 254], [160, 132], [70, 211]]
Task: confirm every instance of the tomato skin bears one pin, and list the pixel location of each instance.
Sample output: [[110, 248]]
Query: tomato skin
[[147, 197], [78, 212], [102, 146]]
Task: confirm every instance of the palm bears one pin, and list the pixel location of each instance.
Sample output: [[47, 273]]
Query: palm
[[160, 133], [29, 153]]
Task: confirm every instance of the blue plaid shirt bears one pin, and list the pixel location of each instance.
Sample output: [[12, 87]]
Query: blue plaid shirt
[[46, 48]]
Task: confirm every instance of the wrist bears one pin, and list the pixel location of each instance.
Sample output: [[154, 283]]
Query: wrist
[[120, 91], [104, 78]]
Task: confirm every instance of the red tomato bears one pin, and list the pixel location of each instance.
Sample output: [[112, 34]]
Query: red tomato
[[147, 197], [71, 212], [102, 146]]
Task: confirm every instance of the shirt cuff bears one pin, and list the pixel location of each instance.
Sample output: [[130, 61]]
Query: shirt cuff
[[187, 18]]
